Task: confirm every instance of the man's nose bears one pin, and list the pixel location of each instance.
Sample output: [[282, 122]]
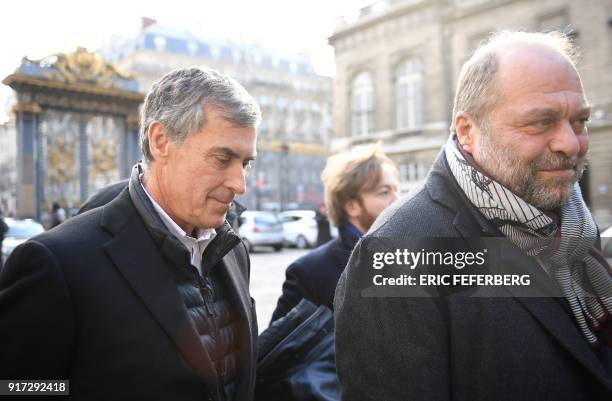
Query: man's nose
[[565, 140], [236, 179]]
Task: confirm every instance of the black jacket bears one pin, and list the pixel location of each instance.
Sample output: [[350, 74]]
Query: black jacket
[[314, 276], [503, 347], [94, 301], [296, 357]]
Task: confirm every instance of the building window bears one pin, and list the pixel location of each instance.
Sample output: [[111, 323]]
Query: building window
[[160, 43], [215, 52], [409, 94], [192, 47], [281, 103], [264, 102], [236, 56], [412, 175], [362, 104]]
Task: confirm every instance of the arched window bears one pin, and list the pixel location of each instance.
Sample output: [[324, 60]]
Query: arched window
[[362, 104], [409, 94]]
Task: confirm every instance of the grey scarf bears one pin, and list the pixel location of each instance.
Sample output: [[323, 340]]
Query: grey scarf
[[584, 276]]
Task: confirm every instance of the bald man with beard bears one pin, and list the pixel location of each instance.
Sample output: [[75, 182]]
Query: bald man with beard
[[508, 171]]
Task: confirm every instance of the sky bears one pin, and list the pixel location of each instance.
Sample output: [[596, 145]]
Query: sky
[[39, 28]]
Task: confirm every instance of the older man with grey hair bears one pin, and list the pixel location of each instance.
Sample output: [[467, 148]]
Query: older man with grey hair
[[147, 297], [532, 319]]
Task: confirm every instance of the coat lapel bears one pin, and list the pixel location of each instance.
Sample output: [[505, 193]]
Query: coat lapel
[[239, 293], [143, 267], [552, 313]]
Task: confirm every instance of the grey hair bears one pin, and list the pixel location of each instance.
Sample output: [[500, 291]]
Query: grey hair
[[475, 93], [179, 99]]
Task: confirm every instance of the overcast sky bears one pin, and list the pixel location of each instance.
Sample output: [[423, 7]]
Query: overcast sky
[[39, 28]]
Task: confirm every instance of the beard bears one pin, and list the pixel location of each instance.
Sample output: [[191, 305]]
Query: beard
[[365, 219], [505, 165]]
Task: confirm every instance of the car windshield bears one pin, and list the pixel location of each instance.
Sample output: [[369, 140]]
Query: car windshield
[[266, 220], [24, 229]]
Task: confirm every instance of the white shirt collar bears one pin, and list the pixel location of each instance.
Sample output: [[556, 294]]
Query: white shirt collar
[[195, 246]]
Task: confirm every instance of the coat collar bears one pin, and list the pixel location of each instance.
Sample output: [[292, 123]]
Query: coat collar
[[141, 256], [550, 312], [172, 248]]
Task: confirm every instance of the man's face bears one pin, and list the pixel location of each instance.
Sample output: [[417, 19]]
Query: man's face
[[373, 202], [203, 174], [537, 140]]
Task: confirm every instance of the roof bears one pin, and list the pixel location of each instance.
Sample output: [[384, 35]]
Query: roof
[[162, 39]]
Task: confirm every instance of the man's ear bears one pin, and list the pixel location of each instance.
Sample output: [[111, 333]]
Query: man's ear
[[353, 208], [467, 131], [159, 143]]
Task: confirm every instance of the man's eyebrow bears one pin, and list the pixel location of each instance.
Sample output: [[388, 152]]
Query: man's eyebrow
[[547, 112], [541, 112], [385, 186], [230, 153]]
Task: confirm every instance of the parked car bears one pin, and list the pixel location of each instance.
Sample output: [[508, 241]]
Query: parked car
[[19, 231], [261, 229], [299, 228], [606, 244]]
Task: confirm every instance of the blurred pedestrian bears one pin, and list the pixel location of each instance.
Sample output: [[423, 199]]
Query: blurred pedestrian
[[359, 185], [323, 227], [148, 293], [58, 214], [3, 230]]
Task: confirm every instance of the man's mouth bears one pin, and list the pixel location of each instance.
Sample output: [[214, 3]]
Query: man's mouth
[[562, 172], [224, 202]]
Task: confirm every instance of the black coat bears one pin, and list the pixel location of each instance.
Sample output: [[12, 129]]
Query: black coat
[[314, 276], [296, 357], [93, 301], [503, 347]]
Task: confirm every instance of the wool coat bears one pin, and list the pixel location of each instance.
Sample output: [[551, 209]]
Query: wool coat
[[453, 346], [94, 301]]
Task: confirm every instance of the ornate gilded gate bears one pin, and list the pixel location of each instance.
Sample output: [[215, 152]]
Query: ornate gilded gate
[[77, 129]]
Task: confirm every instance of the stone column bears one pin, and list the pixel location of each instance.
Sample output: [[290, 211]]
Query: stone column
[[29, 180], [132, 147]]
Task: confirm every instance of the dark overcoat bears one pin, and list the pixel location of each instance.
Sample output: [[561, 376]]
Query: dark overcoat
[[502, 347], [94, 301]]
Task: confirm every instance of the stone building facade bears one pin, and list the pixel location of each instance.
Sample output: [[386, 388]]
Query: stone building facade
[[397, 66], [8, 172], [295, 103]]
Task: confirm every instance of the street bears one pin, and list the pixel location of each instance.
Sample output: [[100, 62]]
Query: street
[[267, 277]]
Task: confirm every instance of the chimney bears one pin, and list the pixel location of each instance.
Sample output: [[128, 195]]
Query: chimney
[[147, 22]]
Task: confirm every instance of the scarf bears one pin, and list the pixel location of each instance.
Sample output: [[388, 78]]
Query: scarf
[[568, 247]]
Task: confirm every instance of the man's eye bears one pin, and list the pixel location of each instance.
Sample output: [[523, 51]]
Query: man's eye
[[544, 123], [223, 161], [583, 121]]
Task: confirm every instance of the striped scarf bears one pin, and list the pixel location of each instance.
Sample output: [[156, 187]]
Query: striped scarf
[[583, 275]]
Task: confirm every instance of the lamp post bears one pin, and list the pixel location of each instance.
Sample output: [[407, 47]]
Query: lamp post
[[283, 176]]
